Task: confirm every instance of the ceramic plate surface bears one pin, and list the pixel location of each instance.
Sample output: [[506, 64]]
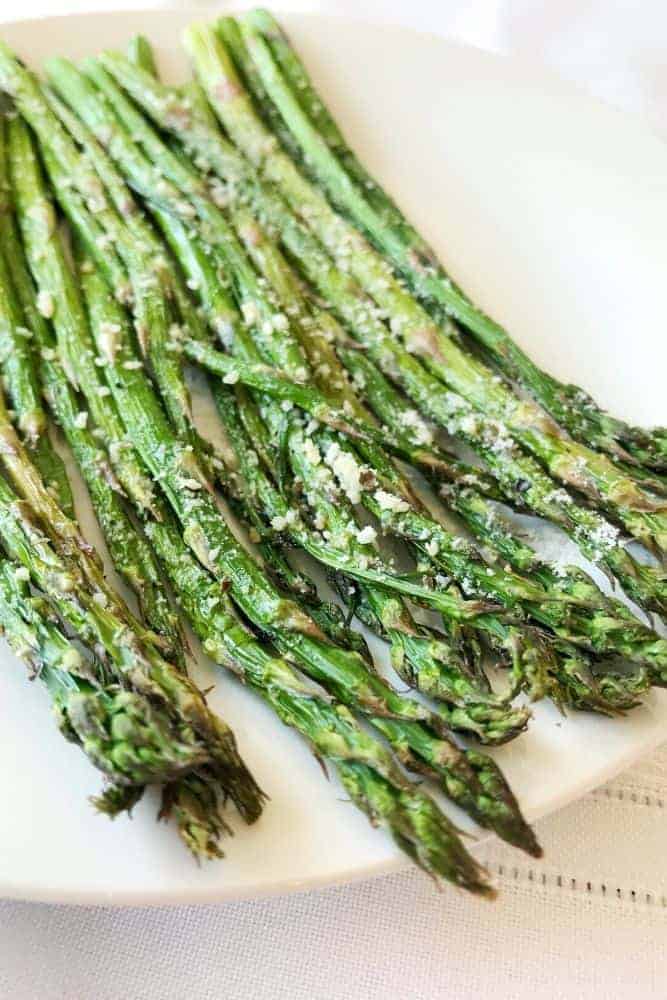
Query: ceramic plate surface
[[551, 210]]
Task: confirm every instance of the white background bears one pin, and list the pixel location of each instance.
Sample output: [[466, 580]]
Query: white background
[[589, 921]]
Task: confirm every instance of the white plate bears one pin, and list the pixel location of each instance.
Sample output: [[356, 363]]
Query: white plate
[[551, 209]]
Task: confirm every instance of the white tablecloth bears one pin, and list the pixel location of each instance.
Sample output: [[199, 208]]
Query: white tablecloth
[[591, 921]]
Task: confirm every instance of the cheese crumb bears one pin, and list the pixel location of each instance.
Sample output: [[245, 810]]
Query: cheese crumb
[[109, 340], [45, 304], [311, 452], [250, 312], [387, 501], [346, 470], [366, 535], [281, 522]]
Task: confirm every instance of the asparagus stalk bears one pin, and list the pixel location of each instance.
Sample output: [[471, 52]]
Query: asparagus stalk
[[321, 407], [566, 677], [584, 695], [326, 615], [330, 728], [115, 234], [303, 89], [129, 660], [198, 266], [590, 472], [607, 625], [18, 361], [422, 530], [322, 146], [140, 52], [587, 522], [58, 299], [130, 740], [610, 628], [603, 633], [522, 479], [382, 279], [275, 271], [27, 481], [435, 665], [119, 240], [205, 530], [344, 673], [129, 550], [431, 742], [18, 370], [157, 275], [140, 163], [230, 34], [195, 804]]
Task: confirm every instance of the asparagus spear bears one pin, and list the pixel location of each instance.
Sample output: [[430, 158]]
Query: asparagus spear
[[431, 744], [344, 673], [339, 560], [383, 279], [119, 241], [522, 479], [121, 198], [197, 265], [274, 270], [323, 410], [123, 733], [607, 625], [189, 464], [167, 290], [104, 215], [132, 741], [494, 723], [590, 472], [140, 52], [20, 377], [140, 162], [329, 727], [303, 89], [204, 528], [23, 474], [320, 143], [434, 664], [619, 557], [326, 615], [129, 660], [58, 299], [601, 631], [566, 676], [193, 802], [129, 551], [584, 695], [19, 467], [18, 363]]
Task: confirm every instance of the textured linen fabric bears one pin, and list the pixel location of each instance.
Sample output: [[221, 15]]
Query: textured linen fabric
[[588, 921]]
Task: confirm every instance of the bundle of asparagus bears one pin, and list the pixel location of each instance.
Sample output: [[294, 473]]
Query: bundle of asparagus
[[226, 223]]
